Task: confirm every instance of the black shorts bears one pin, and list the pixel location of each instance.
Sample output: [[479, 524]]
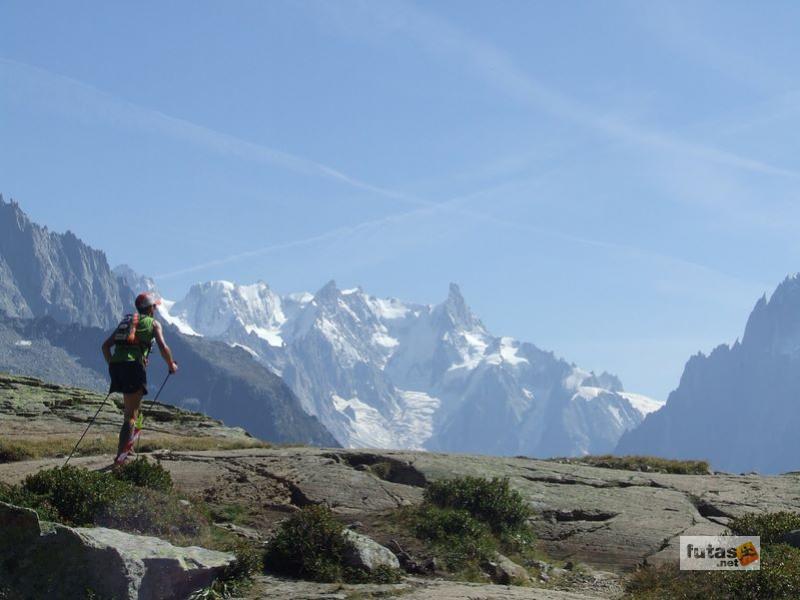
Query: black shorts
[[127, 377]]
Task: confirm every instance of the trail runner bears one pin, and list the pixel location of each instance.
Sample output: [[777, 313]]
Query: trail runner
[[127, 365]]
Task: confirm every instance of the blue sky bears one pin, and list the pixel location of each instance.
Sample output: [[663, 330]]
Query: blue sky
[[616, 182]]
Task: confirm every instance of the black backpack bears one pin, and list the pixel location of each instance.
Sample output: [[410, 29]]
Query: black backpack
[[125, 333]]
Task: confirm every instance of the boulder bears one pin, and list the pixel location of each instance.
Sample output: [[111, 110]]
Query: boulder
[[505, 571], [48, 560], [792, 538], [247, 533], [368, 554]]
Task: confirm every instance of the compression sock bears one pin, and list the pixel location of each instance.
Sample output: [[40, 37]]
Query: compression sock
[[124, 435]]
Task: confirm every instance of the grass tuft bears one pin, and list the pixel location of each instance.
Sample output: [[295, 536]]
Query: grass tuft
[[14, 452], [23, 448], [645, 464]]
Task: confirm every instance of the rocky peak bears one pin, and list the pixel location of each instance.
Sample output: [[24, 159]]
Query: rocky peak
[[54, 274], [456, 311], [10, 212], [213, 308], [136, 282], [774, 324], [328, 294]]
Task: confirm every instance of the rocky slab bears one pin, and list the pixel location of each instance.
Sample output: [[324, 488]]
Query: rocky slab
[[605, 518], [35, 410], [267, 588], [47, 560]]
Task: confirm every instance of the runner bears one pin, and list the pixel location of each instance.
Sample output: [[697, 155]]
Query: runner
[[132, 342]]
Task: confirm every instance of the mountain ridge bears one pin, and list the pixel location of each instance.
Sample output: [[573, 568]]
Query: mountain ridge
[[43, 273], [737, 406], [374, 369], [59, 300]]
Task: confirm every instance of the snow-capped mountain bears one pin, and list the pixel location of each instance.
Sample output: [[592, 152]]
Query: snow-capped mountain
[[385, 373]]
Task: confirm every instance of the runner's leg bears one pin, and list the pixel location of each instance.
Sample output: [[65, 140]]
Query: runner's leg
[[133, 403]]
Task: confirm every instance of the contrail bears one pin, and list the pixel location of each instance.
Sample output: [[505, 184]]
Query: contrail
[[83, 98], [338, 232], [498, 69], [454, 205], [50, 87]]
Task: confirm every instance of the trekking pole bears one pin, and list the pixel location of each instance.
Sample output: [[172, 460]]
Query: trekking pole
[[87, 429], [152, 402]]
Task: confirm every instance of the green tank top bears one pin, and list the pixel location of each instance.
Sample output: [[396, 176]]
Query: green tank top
[[145, 333]]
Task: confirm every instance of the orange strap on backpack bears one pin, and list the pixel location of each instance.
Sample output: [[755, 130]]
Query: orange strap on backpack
[[132, 332]]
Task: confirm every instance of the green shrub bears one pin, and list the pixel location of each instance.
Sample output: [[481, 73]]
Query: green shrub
[[78, 495], [150, 512], [235, 579], [143, 473], [249, 560], [457, 537], [18, 496], [465, 521], [491, 501], [770, 526], [779, 577], [309, 545]]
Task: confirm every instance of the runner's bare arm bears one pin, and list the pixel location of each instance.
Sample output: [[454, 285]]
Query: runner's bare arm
[[166, 353], [107, 348]]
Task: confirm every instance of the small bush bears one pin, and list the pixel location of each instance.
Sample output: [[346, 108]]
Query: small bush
[[491, 501], [235, 579], [81, 497], [150, 512], [663, 581], [78, 495], [770, 526], [309, 545], [249, 560], [779, 577], [18, 496], [143, 473], [457, 537], [466, 521]]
